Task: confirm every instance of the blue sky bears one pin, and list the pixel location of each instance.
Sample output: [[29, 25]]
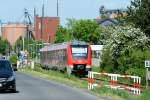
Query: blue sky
[[12, 10]]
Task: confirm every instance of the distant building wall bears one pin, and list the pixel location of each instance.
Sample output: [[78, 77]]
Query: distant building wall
[[96, 53], [45, 28], [112, 13], [12, 32]]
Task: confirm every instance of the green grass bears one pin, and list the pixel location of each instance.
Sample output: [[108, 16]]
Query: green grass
[[96, 69], [145, 95], [82, 84], [111, 94]]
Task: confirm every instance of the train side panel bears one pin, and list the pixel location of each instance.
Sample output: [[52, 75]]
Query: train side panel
[[69, 57], [89, 59]]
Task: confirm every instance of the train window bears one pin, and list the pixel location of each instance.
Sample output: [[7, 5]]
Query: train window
[[79, 51]]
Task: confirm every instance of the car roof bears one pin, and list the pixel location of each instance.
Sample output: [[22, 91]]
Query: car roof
[[4, 60]]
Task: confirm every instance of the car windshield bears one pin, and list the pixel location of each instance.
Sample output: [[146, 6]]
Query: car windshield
[[5, 67]]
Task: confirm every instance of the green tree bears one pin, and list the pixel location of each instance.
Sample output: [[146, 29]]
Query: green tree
[[62, 35], [83, 30], [124, 38], [105, 34], [19, 44], [106, 61], [71, 23], [139, 14], [4, 46], [86, 30], [30, 45]]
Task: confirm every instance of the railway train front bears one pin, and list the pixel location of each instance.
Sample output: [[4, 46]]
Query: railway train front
[[79, 58]]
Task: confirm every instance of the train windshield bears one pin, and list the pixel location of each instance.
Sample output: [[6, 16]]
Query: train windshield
[[79, 51]]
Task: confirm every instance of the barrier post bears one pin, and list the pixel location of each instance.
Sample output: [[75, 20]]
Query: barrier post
[[18, 64], [113, 81], [136, 85], [146, 78], [32, 65], [90, 80], [147, 65]]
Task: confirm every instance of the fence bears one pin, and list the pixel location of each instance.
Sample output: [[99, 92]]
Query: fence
[[114, 82]]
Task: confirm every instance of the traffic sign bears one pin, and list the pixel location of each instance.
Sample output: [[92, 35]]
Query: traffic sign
[[147, 64]]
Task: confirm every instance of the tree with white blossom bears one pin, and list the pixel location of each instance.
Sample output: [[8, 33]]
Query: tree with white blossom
[[127, 47]]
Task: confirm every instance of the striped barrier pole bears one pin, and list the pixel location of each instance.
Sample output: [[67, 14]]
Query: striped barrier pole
[[91, 80], [113, 82], [136, 85]]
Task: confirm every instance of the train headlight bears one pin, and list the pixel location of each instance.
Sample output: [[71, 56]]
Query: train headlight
[[71, 66], [88, 66]]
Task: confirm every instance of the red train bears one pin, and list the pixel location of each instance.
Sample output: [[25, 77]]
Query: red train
[[73, 57]]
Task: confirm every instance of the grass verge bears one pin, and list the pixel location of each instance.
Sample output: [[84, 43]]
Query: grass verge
[[56, 76]]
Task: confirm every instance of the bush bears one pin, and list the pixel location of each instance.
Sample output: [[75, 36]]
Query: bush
[[106, 61], [137, 72], [131, 64], [13, 59]]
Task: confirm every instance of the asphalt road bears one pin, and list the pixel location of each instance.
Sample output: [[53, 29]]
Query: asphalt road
[[33, 88]]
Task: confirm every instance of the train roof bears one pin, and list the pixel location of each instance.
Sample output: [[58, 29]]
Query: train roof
[[78, 43], [59, 46], [54, 47]]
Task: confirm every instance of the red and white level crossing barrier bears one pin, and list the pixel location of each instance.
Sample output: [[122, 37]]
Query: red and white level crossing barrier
[[114, 84]]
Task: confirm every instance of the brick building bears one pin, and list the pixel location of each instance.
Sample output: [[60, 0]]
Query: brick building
[[45, 28]]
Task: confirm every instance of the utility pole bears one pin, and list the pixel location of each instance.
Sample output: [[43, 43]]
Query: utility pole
[[147, 66], [57, 8], [42, 22], [23, 42], [146, 78]]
